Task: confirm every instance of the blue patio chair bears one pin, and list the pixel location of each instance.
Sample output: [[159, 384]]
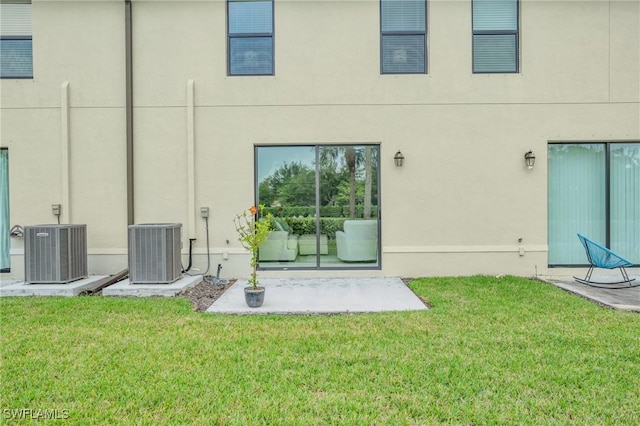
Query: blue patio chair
[[601, 257]]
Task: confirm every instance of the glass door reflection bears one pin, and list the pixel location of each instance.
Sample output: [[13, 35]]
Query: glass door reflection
[[324, 200]]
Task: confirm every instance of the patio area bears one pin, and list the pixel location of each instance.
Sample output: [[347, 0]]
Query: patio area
[[322, 296], [627, 299]]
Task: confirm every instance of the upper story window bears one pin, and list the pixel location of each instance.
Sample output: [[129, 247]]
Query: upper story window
[[495, 36], [250, 37], [403, 31], [16, 57]]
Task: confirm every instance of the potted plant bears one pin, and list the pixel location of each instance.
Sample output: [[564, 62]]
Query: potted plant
[[253, 229]]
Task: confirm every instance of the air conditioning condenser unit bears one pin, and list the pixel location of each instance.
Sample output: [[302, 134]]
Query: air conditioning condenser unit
[[55, 254], [154, 253]]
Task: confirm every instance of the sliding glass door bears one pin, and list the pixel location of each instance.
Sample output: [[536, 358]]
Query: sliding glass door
[[625, 200], [324, 199], [576, 200], [5, 261], [593, 189]]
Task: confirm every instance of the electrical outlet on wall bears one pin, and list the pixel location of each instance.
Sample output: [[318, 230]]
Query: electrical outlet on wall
[[204, 212]]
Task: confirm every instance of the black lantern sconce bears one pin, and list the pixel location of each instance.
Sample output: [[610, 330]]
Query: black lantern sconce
[[530, 159], [398, 158]]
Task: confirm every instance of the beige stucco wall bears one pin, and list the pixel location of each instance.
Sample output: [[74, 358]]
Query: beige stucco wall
[[459, 205], [74, 105]]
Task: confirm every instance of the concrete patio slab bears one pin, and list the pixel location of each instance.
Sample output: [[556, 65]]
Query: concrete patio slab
[[73, 288], [627, 299], [322, 296], [126, 288]]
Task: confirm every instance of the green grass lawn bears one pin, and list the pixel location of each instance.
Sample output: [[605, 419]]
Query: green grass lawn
[[490, 351]]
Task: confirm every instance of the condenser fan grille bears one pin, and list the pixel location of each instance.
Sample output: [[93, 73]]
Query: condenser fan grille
[[55, 253], [154, 253]]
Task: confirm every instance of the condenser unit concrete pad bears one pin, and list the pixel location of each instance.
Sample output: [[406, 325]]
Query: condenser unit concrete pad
[[126, 288], [74, 288]]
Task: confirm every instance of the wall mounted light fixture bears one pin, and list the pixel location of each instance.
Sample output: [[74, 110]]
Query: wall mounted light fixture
[[530, 159], [398, 158]]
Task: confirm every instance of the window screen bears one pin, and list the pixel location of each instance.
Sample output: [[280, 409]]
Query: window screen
[[16, 57], [495, 36], [250, 37], [403, 28]]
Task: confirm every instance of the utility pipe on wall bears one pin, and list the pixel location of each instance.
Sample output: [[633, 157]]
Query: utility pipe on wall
[[129, 107], [191, 142], [65, 141]]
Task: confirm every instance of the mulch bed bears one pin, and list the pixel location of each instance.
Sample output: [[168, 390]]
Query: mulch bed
[[203, 294]]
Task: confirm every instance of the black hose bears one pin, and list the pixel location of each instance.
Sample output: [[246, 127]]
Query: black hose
[[191, 240], [206, 220]]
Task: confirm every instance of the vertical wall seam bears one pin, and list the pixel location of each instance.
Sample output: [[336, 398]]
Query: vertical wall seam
[[609, 93]]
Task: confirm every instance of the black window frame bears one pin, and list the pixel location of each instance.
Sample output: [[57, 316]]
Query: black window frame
[[405, 33], [515, 33], [347, 266], [607, 144], [270, 35]]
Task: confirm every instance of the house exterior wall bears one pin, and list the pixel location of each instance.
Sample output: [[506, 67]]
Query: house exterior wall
[[65, 128], [458, 206]]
